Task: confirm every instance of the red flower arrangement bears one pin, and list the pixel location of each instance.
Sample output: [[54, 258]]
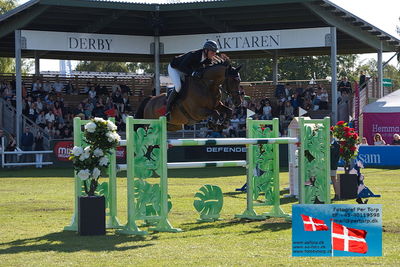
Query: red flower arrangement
[[348, 140]]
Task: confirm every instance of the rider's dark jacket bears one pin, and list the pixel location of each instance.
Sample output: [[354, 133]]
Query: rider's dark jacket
[[189, 62]]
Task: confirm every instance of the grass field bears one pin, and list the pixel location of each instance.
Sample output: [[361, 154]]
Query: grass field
[[35, 205]]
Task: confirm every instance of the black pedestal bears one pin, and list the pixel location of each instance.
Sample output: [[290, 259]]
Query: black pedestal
[[92, 215], [348, 186]]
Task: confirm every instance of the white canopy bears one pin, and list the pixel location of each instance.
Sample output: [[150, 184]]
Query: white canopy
[[386, 104]]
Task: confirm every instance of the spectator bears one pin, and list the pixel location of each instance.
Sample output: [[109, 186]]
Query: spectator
[[115, 87], [288, 91], [1, 141], [92, 95], [363, 81], [378, 141], [39, 147], [40, 119], [70, 89], [396, 140], [125, 100], [49, 117], [27, 143], [58, 86], [344, 86], [125, 88], [267, 111], [57, 111], [36, 86], [364, 142], [32, 113], [335, 155], [39, 105], [50, 130], [118, 101], [323, 101], [11, 146], [86, 89], [46, 87]]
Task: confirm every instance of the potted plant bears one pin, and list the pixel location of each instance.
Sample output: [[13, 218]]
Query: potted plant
[[348, 139], [90, 163]]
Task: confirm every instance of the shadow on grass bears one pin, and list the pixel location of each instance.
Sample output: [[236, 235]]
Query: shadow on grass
[[71, 242], [209, 172], [271, 226], [208, 225]]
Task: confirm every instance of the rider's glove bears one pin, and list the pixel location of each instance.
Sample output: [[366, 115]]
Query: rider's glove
[[196, 74]]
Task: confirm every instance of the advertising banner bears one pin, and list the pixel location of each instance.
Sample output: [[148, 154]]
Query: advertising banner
[[337, 230], [387, 124], [380, 156], [85, 42], [244, 41]]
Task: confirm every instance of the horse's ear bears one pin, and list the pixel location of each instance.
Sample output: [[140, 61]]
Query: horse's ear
[[238, 68]]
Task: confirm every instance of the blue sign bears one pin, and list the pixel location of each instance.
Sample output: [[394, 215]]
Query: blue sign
[[337, 230], [379, 156]]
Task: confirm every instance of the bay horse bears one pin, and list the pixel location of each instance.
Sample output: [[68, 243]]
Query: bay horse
[[198, 99]]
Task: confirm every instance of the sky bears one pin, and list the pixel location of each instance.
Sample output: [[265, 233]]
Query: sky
[[384, 14]]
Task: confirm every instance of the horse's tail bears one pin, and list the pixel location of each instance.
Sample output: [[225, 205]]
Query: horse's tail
[[140, 111]]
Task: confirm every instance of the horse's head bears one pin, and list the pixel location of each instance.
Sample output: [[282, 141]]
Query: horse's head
[[232, 83]]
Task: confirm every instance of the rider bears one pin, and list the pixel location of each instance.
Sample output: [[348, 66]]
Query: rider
[[191, 63]]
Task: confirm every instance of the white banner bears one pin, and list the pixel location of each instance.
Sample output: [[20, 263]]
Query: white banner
[[233, 41], [244, 41], [83, 42]]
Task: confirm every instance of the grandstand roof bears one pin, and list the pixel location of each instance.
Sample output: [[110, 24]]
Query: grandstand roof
[[354, 35]]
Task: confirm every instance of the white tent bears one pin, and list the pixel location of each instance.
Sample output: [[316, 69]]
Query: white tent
[[382, 116]]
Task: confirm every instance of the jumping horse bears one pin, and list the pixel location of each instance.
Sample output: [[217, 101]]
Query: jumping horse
[[199, 99]]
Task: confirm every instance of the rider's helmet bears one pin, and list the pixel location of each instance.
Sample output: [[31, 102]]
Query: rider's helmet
[[211, 45]]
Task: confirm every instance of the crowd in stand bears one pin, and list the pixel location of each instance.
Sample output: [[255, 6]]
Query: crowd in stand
[[43, 104], [284, 106]]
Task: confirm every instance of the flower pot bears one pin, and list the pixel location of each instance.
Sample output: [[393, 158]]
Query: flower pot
[[348, 186], [91, 215]]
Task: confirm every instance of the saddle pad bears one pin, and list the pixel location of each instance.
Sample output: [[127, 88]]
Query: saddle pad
[[161, 111]]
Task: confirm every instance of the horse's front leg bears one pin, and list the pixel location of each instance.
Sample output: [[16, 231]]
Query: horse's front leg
[[224, 111]]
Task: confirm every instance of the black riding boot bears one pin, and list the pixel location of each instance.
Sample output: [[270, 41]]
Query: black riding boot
[[170, 101]]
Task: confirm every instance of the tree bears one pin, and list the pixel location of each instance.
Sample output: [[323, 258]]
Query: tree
[[296, 68], [102, 66], [6, 64]]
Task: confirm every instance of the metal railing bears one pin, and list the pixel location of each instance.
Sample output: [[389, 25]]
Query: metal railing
[[18, 155], [8, 121]]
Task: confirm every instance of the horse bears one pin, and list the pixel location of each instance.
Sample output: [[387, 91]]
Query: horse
[[198, 99]]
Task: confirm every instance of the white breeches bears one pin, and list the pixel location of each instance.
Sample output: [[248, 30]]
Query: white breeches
[[176, 77]]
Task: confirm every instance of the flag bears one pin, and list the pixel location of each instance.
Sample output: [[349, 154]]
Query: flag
[[312, 224], [348, 239]]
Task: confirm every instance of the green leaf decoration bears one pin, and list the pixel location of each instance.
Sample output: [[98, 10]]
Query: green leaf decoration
[[209, 202], [102, 190], [314, 144], [147, 199], [147, 151]]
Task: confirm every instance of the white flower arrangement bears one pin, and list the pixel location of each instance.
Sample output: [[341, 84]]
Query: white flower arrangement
[[98, 152], [91, 162]]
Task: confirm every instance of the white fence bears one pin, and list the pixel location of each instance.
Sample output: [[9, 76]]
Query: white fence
[[17, 156]]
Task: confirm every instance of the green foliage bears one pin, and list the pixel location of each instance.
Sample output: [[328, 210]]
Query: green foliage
[[107, 66], [7, 5], [348, 140], [91, 161], [147, 151], [263, 176], [209, 202], [315, 175], [295, 68]]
